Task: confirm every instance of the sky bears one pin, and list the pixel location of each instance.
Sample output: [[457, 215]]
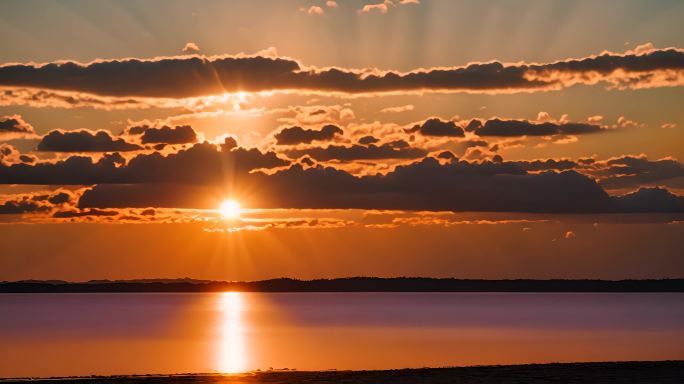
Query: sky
[[470, 139]]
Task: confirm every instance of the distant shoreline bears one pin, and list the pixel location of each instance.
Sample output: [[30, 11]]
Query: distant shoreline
[[353, 284], [662, 372]]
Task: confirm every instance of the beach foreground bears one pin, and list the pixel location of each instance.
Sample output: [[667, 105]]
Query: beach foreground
[[597, 373]]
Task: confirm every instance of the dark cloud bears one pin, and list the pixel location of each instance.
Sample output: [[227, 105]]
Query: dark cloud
[[619, 173], [144, 195], [27, 158], [229, 143], [318, 112], [307, 161], [10, 155], [137, 129], [190, 76], [631, 171], [173, 77], [14, 126], [476, 143], [181, 134], [365, 140], [84, 141], [393, 150], [40, 98], [60, 198], [446, 155], [509, 128], [473, 125], [203, 163], [33, 203], [650, 200], [7, 150], [437, 127], [424, 185], [15, 207], [73, 213], [545, 165], [299, 135], [194, 178]]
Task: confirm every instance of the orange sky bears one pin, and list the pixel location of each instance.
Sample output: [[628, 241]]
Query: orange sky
[[434, 139]]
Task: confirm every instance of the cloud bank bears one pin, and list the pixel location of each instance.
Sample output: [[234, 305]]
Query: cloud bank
[[186, 178], [194, 76]]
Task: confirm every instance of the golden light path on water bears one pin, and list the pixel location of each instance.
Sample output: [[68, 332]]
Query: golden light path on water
[[232, 352]]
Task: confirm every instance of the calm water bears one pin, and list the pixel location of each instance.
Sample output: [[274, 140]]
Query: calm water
[[79, 334]]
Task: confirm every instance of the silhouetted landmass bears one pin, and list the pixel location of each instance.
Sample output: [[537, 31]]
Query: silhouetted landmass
[[352, 284], [662, 372]]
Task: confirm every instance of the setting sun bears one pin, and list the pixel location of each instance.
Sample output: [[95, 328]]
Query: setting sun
[[230, 209]]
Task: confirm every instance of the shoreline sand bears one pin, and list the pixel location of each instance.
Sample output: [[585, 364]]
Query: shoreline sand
[[671, 371]]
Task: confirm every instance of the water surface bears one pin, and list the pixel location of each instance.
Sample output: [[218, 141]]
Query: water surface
[[113, 333]]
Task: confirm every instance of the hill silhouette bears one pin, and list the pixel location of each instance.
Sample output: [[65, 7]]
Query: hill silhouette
[[350, 284]]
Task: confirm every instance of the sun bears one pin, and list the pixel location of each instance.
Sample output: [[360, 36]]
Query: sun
[[230, 209]]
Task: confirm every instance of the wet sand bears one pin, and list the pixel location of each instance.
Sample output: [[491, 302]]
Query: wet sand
[[597, 373]]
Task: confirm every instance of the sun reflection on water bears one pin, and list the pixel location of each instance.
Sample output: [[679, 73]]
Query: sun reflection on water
[[232, 353]]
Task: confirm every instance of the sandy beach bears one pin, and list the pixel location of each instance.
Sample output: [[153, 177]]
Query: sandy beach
[[661, 372]]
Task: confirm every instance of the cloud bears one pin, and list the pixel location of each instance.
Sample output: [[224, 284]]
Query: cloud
[[84, 141], [545, 165], [194, 76], [314, 10], [194, 177], [74, 213], [399, 109], [191, 47], [299, 135], [36, 202], [175, 77], [14, 127], [261, 225], [595, 119], [476, 143], [15, 207], [632, 171], [437, 127], [181, 134], [331, 4], [669, 125], [455, 186], [423, 185], [651, 200], [365, 140], [201, 164], [510, 128], [21, 206], [385, 6], [314, 115], [393, 150], [40, 98], [615, 174], [10, 155]]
